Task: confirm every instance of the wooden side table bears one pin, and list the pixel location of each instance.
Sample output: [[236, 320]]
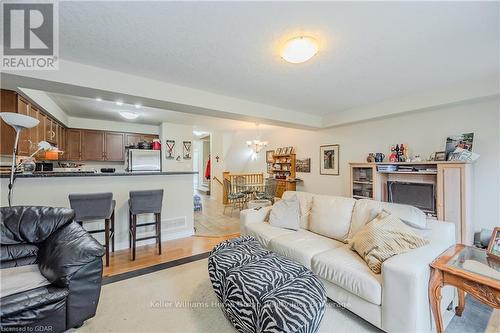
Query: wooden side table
[[469, 270]]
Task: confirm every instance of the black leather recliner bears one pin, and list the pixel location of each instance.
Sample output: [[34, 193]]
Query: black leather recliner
[[67, 256]]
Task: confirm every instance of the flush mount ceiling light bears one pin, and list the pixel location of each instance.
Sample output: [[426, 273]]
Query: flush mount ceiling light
[[128, 115], [138, 106], [119, 103], [99, 99], [299, 49]]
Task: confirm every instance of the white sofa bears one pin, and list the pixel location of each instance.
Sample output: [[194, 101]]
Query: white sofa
[[395, 300]]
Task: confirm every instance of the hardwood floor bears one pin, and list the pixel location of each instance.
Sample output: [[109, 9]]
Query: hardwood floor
[[212, 222], [146, 256]]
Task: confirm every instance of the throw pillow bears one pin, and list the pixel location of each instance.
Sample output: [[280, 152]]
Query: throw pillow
[[383, 237], [285, 214]]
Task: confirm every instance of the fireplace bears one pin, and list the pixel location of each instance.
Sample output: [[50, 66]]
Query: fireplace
[[420, 195]]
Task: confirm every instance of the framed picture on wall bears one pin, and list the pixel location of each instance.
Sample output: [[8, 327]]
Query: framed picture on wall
[[303, 165], [329, 160]]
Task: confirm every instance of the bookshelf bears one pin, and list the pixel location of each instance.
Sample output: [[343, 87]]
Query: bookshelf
[[282, 168], [363, 179]]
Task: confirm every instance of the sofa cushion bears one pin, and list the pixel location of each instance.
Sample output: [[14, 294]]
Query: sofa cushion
[[285, 214], [302, 245], [305, 204], [366, 210], [19, 279], [331, 216], [33, 305], [346, 269], [382, 238], [264, 232]]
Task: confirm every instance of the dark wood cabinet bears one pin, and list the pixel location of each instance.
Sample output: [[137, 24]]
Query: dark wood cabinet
[[8, 103], [92, 145], [34, 132], [114, 147], [23, 147], [73, 145]]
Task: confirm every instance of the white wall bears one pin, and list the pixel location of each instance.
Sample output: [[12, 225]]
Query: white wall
[[425, 132], [179, 133]]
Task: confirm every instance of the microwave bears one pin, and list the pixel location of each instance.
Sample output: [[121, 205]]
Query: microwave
[[143, 160]]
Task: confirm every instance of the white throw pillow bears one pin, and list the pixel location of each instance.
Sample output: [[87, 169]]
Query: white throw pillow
[[285, 214]]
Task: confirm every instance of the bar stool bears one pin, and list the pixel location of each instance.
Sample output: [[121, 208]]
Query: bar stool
[[96, 206], [144, 202]]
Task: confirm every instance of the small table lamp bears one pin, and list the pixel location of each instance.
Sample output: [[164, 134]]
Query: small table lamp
[[18, 122]]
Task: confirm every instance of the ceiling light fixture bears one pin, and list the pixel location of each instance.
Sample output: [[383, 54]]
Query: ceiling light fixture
[[138, 106], [128, 115], [99, 99], [299, 49], [256, 145], [119, 103]]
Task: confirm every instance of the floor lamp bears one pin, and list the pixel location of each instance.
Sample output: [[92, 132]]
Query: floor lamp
[[18, 122]]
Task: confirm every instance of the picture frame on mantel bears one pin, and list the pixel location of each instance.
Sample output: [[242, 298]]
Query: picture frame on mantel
[[329, 160]]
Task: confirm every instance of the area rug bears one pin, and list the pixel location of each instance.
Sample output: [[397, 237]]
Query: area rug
[[181, 299]]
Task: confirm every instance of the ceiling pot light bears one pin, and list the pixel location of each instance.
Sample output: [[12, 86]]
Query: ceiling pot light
[[119, 103], [99, 99], [138, 106], [299, 49], [128, 115]]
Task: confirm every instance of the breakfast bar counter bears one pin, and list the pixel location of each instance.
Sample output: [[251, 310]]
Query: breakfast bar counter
[[44, 174], [53, 188]]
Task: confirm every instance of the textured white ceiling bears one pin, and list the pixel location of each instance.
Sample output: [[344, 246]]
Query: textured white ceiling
[[369, 51]]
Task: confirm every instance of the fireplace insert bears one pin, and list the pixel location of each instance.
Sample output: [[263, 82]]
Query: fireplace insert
[[420, 195]]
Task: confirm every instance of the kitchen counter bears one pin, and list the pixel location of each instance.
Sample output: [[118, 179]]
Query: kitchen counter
[[48, 174], [53, 189]]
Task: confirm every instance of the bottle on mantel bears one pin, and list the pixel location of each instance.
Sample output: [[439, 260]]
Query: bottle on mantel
[[401, 153]]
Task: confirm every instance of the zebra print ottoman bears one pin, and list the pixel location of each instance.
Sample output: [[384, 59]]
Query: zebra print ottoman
[[263, 292]]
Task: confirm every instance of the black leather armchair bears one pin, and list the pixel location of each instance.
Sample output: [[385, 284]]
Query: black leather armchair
[[67, 256]]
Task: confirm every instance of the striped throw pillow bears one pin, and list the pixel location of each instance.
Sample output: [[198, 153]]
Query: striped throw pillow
[[383, 237]]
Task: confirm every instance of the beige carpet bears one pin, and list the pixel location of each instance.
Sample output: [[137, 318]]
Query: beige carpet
[[180, 299]]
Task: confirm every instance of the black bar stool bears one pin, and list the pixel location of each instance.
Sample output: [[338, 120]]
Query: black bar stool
[[144, 202], [96, 206]]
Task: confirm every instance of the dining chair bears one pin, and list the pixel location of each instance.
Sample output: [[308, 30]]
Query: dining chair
[[235, 198], [269, 192]]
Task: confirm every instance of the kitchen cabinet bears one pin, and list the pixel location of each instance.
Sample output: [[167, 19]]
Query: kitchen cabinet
[[8, 103], [48, 129], [73, 145], [23, 146], [114, 148], [34, 132], [92, 145]]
